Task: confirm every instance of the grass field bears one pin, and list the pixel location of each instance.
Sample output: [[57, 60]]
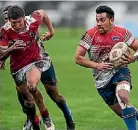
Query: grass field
[[74, 82]]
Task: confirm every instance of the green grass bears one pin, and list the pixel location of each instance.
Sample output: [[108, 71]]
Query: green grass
[[74, 82]]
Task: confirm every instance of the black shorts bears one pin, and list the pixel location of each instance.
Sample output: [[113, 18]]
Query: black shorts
[[49, 76]]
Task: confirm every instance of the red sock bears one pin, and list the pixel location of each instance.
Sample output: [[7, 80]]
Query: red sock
[[44, 114], [36, 120]]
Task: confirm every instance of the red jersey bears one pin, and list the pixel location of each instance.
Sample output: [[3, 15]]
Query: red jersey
[[99, 46], [31, 53]]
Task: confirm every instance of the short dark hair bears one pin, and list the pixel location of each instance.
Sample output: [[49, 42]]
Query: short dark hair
[[5, 10], [105, 9], [15, 12]]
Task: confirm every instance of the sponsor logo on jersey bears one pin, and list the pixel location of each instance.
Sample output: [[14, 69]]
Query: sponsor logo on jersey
[[115, 38]]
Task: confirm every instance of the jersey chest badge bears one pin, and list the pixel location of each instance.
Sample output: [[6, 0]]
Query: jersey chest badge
[[115, 38], [31, 34]]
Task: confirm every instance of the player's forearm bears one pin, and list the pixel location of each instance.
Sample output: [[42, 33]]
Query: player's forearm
[[134, 46], [4, 57], [136, 55], [4, 54], [48, 23], [3, 50], [85, 62]]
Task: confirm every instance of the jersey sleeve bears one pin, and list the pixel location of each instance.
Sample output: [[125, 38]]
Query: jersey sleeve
[[128, 38], [36, 15], [86, 41], [4, 41]]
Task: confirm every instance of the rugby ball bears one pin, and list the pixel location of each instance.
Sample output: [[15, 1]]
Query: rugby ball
[[117, 52]]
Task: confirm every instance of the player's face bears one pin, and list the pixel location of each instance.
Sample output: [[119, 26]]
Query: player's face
[[18, 24], [5, 18], [104, 23]]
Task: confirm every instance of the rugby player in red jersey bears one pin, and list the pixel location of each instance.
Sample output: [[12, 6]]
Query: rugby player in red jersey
[[38, 98], [25, 30]]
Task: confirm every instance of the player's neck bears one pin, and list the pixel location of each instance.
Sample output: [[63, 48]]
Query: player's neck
[[25, 27], [110, 30]]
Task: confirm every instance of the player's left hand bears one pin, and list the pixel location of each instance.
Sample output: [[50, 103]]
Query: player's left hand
[[47, 36], [17, 45], [128, 58]]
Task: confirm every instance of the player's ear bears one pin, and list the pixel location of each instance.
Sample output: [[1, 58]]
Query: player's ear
[[112, 20]]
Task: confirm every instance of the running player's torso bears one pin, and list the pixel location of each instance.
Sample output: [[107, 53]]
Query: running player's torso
[[99, 47], [31, 52]]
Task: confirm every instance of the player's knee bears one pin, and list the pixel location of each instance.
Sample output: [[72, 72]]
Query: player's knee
[[122, 93], [32, 81], [124, 96], [29, 103], [59, 98]]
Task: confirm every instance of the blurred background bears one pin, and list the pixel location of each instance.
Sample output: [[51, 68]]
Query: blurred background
[[76, 14]]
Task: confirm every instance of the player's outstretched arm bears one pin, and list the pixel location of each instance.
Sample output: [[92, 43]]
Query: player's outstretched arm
[[5, 52], [48, 23]]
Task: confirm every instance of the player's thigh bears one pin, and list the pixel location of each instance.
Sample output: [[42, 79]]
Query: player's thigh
[[21, 83], [33, 76], [108, 94], [48, 78], [28, 72]]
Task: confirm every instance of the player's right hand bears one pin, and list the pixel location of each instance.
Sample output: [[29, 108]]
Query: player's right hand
[[104, 66], [47, 35]]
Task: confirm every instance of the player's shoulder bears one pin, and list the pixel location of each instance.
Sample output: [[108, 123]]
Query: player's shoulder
[[92, 31], [36, 16], [120, 29], [30, 19], [6, 26]]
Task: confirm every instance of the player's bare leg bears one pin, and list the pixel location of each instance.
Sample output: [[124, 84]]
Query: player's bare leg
[[30, 105], [126, 110], [33, 77], [117, 109], [61, 103]]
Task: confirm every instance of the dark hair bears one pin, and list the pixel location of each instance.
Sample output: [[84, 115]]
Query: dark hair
[[5, 10], [15, 12], [105, 9]]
